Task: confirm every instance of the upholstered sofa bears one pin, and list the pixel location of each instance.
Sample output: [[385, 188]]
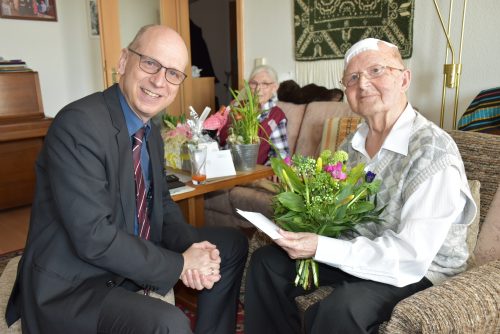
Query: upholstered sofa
[[304, 128], [468, 302]]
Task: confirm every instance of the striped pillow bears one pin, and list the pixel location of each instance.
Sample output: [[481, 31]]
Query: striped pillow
[[336, 129]]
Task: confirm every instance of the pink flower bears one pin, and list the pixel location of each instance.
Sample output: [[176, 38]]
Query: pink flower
[[180, 130], [217, 120], [336, 171], [288, 160]]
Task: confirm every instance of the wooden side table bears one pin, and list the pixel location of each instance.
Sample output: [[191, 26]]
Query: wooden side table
[[192, 202]]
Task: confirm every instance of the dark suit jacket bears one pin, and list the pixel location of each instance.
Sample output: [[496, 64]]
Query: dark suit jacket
[[81, 240]]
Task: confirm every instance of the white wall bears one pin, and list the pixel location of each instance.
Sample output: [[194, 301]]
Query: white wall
[[136, 14], [268, 31], [66, 57]]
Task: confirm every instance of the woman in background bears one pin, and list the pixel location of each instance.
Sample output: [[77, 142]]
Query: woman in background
[[264, 82]]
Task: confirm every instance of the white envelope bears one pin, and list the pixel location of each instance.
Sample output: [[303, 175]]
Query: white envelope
[[219, 164]]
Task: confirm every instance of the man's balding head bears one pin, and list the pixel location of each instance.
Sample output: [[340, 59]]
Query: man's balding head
[[373, 44]]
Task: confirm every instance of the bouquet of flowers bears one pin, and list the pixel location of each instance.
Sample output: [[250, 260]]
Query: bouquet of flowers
[[180, 132], [323, 197], [175, 133]]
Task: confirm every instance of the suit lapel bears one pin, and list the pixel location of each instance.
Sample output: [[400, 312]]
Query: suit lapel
[[125, 164]]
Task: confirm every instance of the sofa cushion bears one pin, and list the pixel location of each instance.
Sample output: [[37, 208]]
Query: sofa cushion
[[465, 303], [472, 231], [481, 157], [218, 201], [7, 280], [294, 114], [335, 130], [488, 243], [252, 199], [315, 116]]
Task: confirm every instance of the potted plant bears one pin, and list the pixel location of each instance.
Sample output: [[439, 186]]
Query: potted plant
[[244, 130]]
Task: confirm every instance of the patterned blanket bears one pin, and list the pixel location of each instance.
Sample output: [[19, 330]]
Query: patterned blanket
[[483, 114], [326, 29]]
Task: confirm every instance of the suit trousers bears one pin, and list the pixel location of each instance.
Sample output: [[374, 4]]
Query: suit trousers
[[355, 305], [124, 311]]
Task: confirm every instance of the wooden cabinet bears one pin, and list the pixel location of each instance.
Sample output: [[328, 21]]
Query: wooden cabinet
[[22, 129]]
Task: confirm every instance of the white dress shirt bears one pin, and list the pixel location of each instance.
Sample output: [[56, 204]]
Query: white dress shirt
[[404, 257]]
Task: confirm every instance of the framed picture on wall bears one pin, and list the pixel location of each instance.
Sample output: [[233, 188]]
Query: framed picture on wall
[[44, 10], [93, 18]]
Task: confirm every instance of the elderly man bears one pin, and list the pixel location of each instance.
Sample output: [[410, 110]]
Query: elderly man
[[103, 225], [422, 239]]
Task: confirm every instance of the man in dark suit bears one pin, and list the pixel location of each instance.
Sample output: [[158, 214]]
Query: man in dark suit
[[85, 258]]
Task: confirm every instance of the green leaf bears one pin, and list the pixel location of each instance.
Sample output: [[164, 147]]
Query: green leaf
[[355, 174], [334, 231], [344, 193], [291, 201], [361, 207]]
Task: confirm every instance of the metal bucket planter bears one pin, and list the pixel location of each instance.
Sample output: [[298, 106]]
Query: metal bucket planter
[[245, 156]]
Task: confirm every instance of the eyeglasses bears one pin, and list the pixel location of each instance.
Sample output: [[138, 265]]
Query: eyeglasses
[[371, 72], [151, 66], [254, 84]]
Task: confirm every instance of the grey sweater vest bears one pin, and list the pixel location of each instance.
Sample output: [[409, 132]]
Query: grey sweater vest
[[430, 150]]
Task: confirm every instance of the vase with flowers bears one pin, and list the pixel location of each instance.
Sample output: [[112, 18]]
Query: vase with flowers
[[243, 136]]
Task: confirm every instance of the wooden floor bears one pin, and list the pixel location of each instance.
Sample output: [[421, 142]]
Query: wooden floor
[[14, 229]]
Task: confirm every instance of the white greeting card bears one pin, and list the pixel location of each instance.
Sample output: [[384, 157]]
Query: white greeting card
[[262, 223], [219, 164]]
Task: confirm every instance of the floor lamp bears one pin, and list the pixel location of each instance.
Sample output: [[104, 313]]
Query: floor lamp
[[451, 72]]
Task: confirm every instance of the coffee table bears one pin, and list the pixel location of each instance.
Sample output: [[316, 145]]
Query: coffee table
[[192, 203]]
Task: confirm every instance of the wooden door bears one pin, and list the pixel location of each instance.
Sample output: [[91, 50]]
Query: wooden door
[[110, 39], [113, 21]]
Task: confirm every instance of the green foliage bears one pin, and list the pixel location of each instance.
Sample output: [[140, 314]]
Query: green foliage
[[245, 112], [321, 196], [171, 121]]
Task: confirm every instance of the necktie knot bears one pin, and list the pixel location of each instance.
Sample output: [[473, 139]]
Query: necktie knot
[[139, 136]]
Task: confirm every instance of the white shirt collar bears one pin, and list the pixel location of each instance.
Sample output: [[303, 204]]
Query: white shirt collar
[[397, 140]]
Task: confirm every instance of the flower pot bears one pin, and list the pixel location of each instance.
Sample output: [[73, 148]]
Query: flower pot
[[245, 156]]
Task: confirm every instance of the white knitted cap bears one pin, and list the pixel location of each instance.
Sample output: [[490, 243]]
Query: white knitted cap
[[363, 45]]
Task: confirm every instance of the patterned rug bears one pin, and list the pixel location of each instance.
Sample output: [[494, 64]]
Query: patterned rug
[[239, 321], [326, 29]]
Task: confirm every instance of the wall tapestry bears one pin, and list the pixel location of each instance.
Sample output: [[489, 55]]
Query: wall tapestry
[[326, 29]]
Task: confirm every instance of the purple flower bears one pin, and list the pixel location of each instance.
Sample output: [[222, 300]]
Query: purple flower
[[288, 160], [336, 171], [370, 176]]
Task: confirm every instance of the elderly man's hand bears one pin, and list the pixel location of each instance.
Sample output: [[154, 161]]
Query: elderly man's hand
[[301, 245]]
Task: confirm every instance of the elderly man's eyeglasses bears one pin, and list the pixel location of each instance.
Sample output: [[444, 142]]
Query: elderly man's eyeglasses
[[151, 66], [371, 72], [254, 84]]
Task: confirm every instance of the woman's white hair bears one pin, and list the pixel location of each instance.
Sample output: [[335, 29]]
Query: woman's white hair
[[264, 68]]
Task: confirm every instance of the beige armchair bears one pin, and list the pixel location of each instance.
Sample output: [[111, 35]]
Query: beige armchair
[[470, 301]]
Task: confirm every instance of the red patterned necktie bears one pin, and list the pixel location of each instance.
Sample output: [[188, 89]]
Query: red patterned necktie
[[140, 186]]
